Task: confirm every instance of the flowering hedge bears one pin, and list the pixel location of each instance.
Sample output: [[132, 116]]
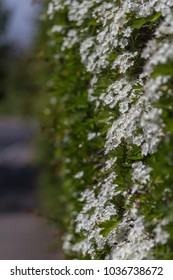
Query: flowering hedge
[[109, 123]]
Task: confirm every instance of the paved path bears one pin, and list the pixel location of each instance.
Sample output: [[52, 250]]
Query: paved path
[[23, 235], [26, 237]]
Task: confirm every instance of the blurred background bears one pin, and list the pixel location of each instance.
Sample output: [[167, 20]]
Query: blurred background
[[24, 232]]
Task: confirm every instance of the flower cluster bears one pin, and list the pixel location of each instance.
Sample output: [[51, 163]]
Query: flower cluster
[[133, 120]]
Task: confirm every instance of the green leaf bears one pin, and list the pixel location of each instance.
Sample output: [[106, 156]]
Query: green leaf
[[155, 17], [108, 226], [163, 69], [138, 23]]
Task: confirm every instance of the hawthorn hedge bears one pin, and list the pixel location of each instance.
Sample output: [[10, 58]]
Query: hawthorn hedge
[[108, 127]]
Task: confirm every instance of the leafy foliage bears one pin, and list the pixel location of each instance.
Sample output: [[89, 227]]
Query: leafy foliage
[[108, 126]]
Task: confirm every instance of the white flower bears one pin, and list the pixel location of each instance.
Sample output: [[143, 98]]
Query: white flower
[[141, 173], [79, 175], [161, 236], [138, 120], [91, 135]]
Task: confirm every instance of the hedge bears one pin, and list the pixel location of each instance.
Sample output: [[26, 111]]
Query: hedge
[[108, 127]]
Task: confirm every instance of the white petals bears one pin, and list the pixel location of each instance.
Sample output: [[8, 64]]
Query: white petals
[[79, 175], [141, 173], [137, 121]]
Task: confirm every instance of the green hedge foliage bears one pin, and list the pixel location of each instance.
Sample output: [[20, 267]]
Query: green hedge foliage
[[108, 127]]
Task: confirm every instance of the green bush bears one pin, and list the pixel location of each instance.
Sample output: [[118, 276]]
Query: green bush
[[108, 125]]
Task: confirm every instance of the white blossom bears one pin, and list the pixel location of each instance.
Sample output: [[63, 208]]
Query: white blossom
[[141, 173], [91, 135], [138, 121], [79, 175]]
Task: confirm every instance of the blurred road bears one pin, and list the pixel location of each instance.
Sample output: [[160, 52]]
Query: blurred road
[[26, 237], [23, 235], [17, 173]]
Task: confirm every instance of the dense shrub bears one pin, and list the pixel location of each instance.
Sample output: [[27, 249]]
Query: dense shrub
[[108, 124]]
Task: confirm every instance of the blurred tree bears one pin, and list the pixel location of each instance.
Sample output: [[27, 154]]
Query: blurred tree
[[4, 48], [20, 74]]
